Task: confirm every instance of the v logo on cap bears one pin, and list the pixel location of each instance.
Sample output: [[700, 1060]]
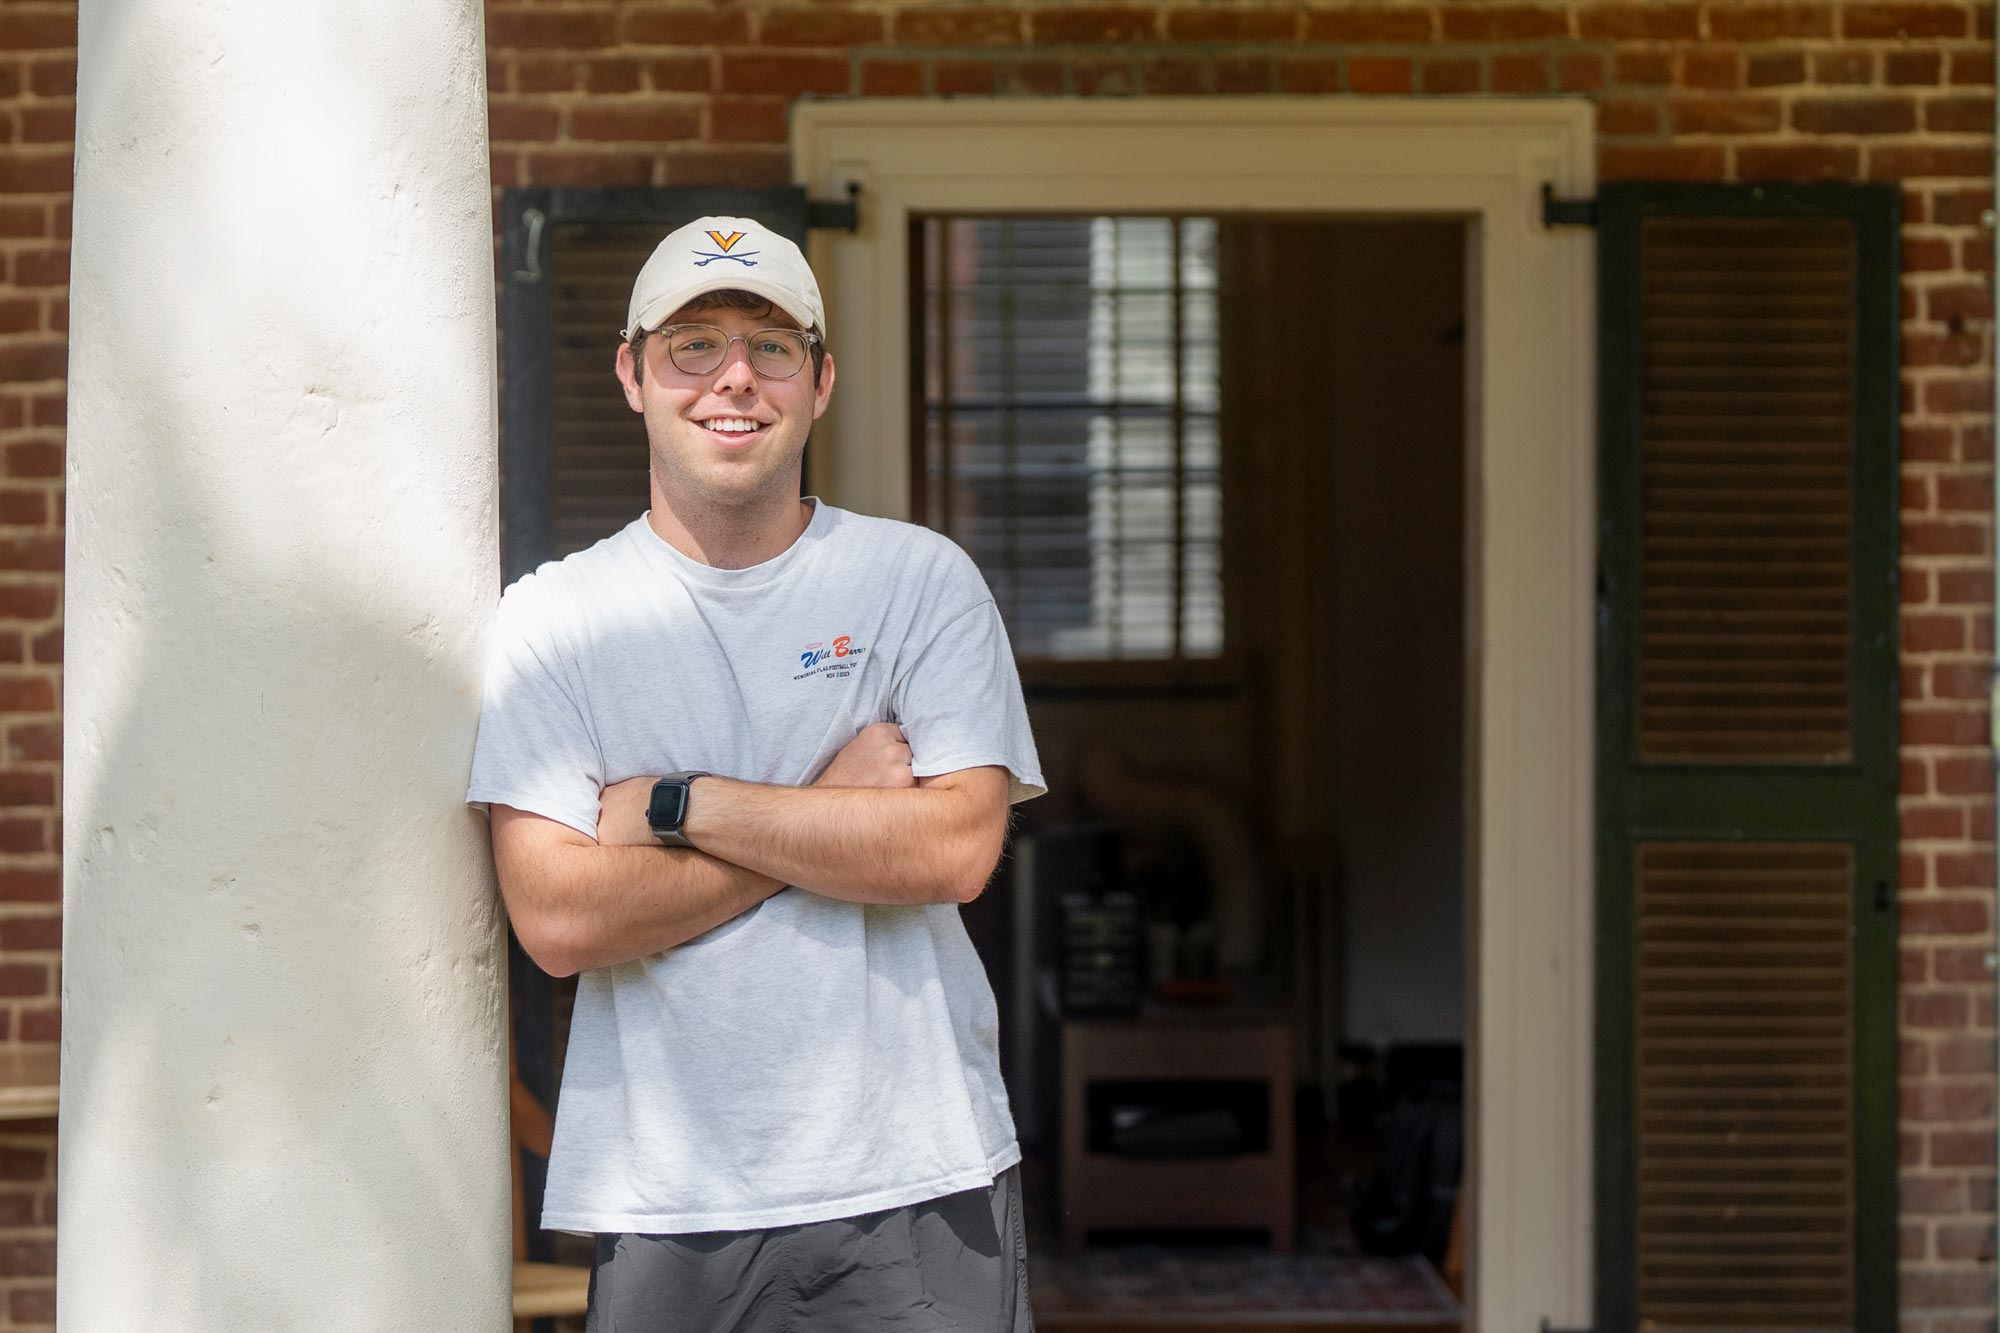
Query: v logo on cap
[[725, 243]]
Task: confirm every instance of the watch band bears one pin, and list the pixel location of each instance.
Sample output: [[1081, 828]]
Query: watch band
[[667, 809]]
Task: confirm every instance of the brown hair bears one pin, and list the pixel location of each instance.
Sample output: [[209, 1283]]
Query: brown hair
[[729, 298]]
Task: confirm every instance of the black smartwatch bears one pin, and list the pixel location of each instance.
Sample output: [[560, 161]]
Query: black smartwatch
[[667, 811]]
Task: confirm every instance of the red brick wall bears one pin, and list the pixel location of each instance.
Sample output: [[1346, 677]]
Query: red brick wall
[[597, 92]]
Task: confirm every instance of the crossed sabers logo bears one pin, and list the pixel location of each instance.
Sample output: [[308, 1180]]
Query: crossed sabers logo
[[726, 244]]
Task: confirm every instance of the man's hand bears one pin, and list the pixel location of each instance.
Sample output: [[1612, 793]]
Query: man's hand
[[621, 814], [878, 757]]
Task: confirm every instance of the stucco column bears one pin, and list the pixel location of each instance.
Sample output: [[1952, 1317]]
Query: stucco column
[[283, 1079]]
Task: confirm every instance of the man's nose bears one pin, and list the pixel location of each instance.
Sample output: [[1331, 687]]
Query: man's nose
[[735, 374]]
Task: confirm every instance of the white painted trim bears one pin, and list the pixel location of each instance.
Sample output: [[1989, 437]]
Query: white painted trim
[[1531, 505]]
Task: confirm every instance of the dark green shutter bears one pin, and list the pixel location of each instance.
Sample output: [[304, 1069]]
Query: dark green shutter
[[1747, 757]]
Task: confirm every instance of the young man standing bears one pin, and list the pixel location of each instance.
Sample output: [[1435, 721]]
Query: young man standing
[[744, 760]]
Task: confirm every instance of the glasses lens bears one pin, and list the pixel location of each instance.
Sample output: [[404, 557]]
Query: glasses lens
[[696, 348], [777, 352]]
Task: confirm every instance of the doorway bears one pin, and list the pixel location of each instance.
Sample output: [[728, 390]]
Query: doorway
[[1529, 506]]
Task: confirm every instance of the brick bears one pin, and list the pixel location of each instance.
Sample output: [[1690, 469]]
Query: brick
[[1309, 74], [1765, 22], [1170, 78], [549, 27], [32, 1305], [20, 314], [19, 933], [614, 74], [1915, 499], [1579, 71], [22, 363], [30, 886], [28, 601], [1967, 1240], [27, 1258], [1959, 115], [735, 165], [1961, 349], [1970, 493], [1933, 726], [1961, 963], [1774, 69], [1913, 968], [1924, 1195], [1943, 1288], [48, 649], [43, 266], [1959, 587], [1721, 70], [1963, 776], [647, 123], [1925, 254], [1854, 115], [37, 29], [34, 171], [1928, 914], [1231, 25], [1954, 1101], [783, 74], [1908, 68], [1965, 1055], [1648, 67], [1660, 161], [1656, 20], [51, 77], [23, 218], [22, 836], [510, 121], [1369, 24], [41, 1025], [1628, 115], [1843, 67], [562, 167], [1092, 24], [1102, 78], [18, 979], [1906, 20], [1245, 74], [748, 120], [1958, 394], [48, 122], [1038, 78], [974, 78], [1451, 74], [1913, 1239], [1975, 254], [1503, 23], [1380, 74], [1932, 443], [892, 78], [1972, 68], [1936, 1009], [1936, 822], [1724, 115], [680, 74], [820, 27], [548, 74], [1518, 74], [1796, 162], [17, 1209], [1963, 869], [958, 27], [683, 25]]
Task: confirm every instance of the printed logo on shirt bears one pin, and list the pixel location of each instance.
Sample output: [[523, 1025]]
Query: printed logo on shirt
[[834, 660]]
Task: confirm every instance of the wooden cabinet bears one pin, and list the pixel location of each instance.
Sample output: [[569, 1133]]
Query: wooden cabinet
[[1208, 1047]]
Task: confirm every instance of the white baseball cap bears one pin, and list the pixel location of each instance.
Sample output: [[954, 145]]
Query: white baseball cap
[[718, 254]]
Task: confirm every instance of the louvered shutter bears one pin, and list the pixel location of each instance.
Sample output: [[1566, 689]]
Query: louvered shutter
[[1747, 761], [572, 454]]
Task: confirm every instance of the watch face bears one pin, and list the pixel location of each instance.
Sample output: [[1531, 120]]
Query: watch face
[[669, 805]]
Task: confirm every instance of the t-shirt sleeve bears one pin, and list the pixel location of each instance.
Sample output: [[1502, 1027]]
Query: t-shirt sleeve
[[960, 704], [535, 750]]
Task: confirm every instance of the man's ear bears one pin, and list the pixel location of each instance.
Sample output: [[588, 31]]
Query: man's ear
[[628, 375], [824, 390]]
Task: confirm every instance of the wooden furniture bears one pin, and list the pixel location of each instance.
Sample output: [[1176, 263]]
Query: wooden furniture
[[1250, 1189], [541, 1291]]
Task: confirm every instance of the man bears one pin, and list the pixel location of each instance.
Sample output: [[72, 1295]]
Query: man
[[744, 760]]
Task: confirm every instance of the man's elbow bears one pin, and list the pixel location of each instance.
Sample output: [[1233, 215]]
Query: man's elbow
[[976, 866], [548, 945]]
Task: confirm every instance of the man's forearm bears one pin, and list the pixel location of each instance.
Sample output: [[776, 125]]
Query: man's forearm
[[861, 844], [597, 906]]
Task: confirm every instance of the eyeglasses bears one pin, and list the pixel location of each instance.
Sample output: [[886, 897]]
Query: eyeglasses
[[698, 349]]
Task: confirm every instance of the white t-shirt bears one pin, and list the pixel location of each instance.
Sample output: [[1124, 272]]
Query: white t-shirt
[[811, 1058]]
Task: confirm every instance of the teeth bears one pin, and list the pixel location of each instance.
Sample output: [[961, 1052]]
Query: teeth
[[730, 424]]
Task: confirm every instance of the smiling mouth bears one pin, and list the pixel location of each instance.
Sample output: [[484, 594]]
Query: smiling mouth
[[732, 428]]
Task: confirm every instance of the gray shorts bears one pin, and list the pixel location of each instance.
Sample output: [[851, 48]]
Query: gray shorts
[[954, 1263]]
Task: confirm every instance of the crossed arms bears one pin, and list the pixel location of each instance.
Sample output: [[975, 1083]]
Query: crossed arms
[[866, 831]]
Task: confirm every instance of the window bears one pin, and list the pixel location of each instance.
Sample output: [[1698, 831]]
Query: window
[[1068, 434]]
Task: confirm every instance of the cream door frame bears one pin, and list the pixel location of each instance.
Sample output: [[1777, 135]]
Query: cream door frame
[[1531, 515]]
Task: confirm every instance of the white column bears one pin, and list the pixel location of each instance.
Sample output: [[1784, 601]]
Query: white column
[[283, 1086]]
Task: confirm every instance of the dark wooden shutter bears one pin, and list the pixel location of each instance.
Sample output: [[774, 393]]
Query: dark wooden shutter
[[1747, 757], [572, 455]]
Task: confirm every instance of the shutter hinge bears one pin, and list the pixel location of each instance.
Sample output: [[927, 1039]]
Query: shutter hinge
[[1566, 213], [835, 214]]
